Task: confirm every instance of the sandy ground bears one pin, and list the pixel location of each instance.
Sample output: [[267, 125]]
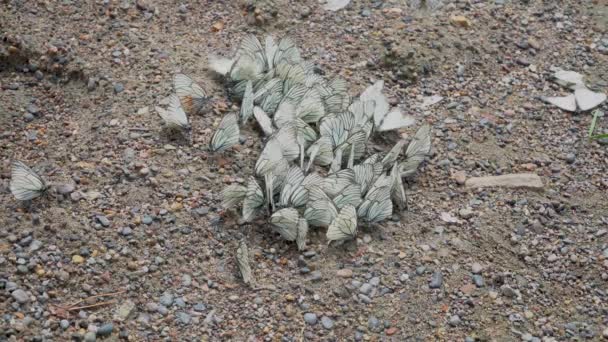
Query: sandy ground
[[139, 216]]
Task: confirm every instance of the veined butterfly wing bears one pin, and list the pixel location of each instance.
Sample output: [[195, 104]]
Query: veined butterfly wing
[[174, 116], [254, 200], [285, 222], [351, 195], [263, 120], [25, 183], [226, 135], [393, 154], [398, 194], [294, 179], [232, 195], [334, 183], [420, 146], [242, 260], [247, 104], [393, 119], [220, 65], [344, 226], [191, 96]]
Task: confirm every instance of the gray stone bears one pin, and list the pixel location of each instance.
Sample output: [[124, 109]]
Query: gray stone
[[375, 281], [90, 337], [476, 268], [366, 12], [103, 220], [105, 330], [420, 270], [527, 337], [366, 288], [20, 296], [35, 245], [327, 322], [183, 317], [28, 117], [310, 318], [118, 88], [436, 280], [147, 220], [33, 109], [454, 320], [199, 307], [518, 180], [124, 311], [64, 324], [180, 302], [373, 323], [570, 158], [39, 75], [166, 299], [65, 189], [478, 280]]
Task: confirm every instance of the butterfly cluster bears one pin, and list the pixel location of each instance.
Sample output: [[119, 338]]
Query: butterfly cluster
[[313, 170]]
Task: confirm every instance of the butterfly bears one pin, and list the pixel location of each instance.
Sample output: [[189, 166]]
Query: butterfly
[[344, 226], [394, 153], [385, 119], [220, 65], [416, 151], [242, 260], [377, 205], [254, 200], [290, 225], [191, 96], [174, 116], [320, 152], [25, 183], [232, 195], [226, 135], [263, 120], [247, 104], [351, 195], [281, 145], [320, 210], [299, 195]]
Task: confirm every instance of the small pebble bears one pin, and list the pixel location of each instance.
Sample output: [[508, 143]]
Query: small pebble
[[327, 322], [310, 318], [436, 280]]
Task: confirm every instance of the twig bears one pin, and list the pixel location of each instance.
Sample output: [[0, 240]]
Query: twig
[[139, 129], [97, 296], [90, 306]]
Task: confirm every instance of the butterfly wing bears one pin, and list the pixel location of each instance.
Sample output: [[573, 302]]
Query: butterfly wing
[[191, 96], [232, 195], [285, 222], [242, 260], [263, 120], [25, 183], [227, 134], [344, 226], [254, 200], [247, 104]]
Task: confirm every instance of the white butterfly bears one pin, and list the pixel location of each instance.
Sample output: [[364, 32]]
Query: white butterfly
[[416, 151], [334, 183], [351, 195], [191, 96], [232, 195], [384, 119], [247, 104], [295, 177], [263, 120], [320, 152], [220, 65], [282, 145], [398, 194], [344, 226], [226, 135], [174, 116], [25, 183], [337, 127], [377, 205], [299, 196], [366, 174], [393, 154], [288, 223], [320, 210], [254, 200], [242, 260]]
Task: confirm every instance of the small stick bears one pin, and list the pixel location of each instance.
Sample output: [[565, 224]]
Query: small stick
[[139, 129], [96, 296], [91, 306]]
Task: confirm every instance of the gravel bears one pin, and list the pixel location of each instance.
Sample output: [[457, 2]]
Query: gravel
[[436, 280], [327, 322], [310, 318], [20, 296]]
